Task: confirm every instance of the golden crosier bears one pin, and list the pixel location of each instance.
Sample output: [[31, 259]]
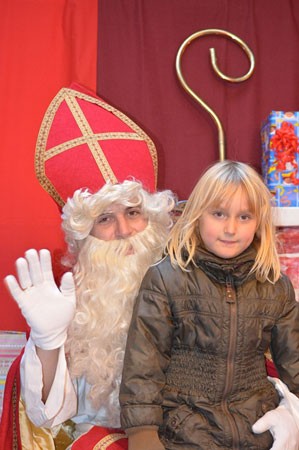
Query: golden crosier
[[221, 138]]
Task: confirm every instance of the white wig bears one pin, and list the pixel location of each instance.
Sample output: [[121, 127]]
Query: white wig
[[107, 282], [80, 211]]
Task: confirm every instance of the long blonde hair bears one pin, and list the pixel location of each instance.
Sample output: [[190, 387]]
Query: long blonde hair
[[216, 185]]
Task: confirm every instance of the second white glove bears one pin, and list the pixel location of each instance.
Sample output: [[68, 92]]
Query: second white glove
[[282, 426]]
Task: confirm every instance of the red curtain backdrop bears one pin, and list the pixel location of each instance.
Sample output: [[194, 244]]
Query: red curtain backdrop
[[138, 43], [44, 45], [47, 44]]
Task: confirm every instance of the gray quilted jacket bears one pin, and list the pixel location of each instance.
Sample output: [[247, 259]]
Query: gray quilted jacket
[[194, 364]]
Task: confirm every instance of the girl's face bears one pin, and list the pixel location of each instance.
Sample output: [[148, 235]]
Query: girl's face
[[228, 229]]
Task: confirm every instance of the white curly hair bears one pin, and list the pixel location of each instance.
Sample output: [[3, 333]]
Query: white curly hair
[[80, 211], [107, 282]]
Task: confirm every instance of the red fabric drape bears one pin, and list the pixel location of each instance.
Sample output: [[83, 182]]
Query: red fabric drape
[[138, 43], [9, 423], [44, 45]]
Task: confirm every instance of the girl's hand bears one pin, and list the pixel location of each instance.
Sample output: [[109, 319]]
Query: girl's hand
[[145, 439]]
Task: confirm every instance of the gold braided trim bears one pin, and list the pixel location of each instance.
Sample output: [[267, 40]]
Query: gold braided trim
[[94, 146], [104, 443], [41, 148], [41, 153], [126, 120], [54, 151], [14, 416]]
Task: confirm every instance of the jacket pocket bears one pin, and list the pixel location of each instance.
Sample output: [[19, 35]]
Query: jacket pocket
[[179, 425]]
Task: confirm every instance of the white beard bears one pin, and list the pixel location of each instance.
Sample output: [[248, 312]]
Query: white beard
[[108, 279]]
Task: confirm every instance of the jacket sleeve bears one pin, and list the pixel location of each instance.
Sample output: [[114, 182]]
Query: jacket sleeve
[[147, 355], [62, 400], [285, 341]]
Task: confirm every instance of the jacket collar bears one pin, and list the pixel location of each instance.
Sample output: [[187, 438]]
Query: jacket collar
[[220, 270]]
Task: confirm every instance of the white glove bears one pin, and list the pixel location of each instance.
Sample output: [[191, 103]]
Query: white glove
[[291, 400], [281, 424], [47, 309]]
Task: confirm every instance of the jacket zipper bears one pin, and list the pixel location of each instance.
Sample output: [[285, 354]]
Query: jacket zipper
[[231, 299]]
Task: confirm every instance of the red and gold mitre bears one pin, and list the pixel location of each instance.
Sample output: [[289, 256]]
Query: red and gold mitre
[[84, 142]]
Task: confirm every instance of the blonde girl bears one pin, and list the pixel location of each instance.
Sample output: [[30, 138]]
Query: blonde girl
[[194, 372], [215, 187]]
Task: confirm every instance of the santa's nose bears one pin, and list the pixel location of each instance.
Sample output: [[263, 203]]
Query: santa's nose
[[123, 228]]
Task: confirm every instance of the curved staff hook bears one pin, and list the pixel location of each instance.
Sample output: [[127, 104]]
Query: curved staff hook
[[221, 139]]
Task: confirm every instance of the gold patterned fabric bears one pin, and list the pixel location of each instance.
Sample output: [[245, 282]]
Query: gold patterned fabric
[[38, 438], [32, 437]]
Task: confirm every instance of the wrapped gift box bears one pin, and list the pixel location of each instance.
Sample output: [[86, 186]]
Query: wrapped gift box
[[280, 157], [288, 249]]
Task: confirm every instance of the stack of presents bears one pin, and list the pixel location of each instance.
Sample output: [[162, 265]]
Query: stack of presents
[[280, 169]]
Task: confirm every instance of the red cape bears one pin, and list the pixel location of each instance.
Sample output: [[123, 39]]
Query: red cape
[[9, 425]]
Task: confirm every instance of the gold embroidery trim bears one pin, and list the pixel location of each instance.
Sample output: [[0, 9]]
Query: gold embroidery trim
[[54, 151], [69, 95], [93, 145], [104, 443], [41, 148], [14, 416]]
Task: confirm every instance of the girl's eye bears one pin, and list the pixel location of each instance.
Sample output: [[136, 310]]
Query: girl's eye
[[245, 217], [218, 214]]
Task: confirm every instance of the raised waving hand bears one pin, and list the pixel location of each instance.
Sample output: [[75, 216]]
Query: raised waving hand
[[47, 309]]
